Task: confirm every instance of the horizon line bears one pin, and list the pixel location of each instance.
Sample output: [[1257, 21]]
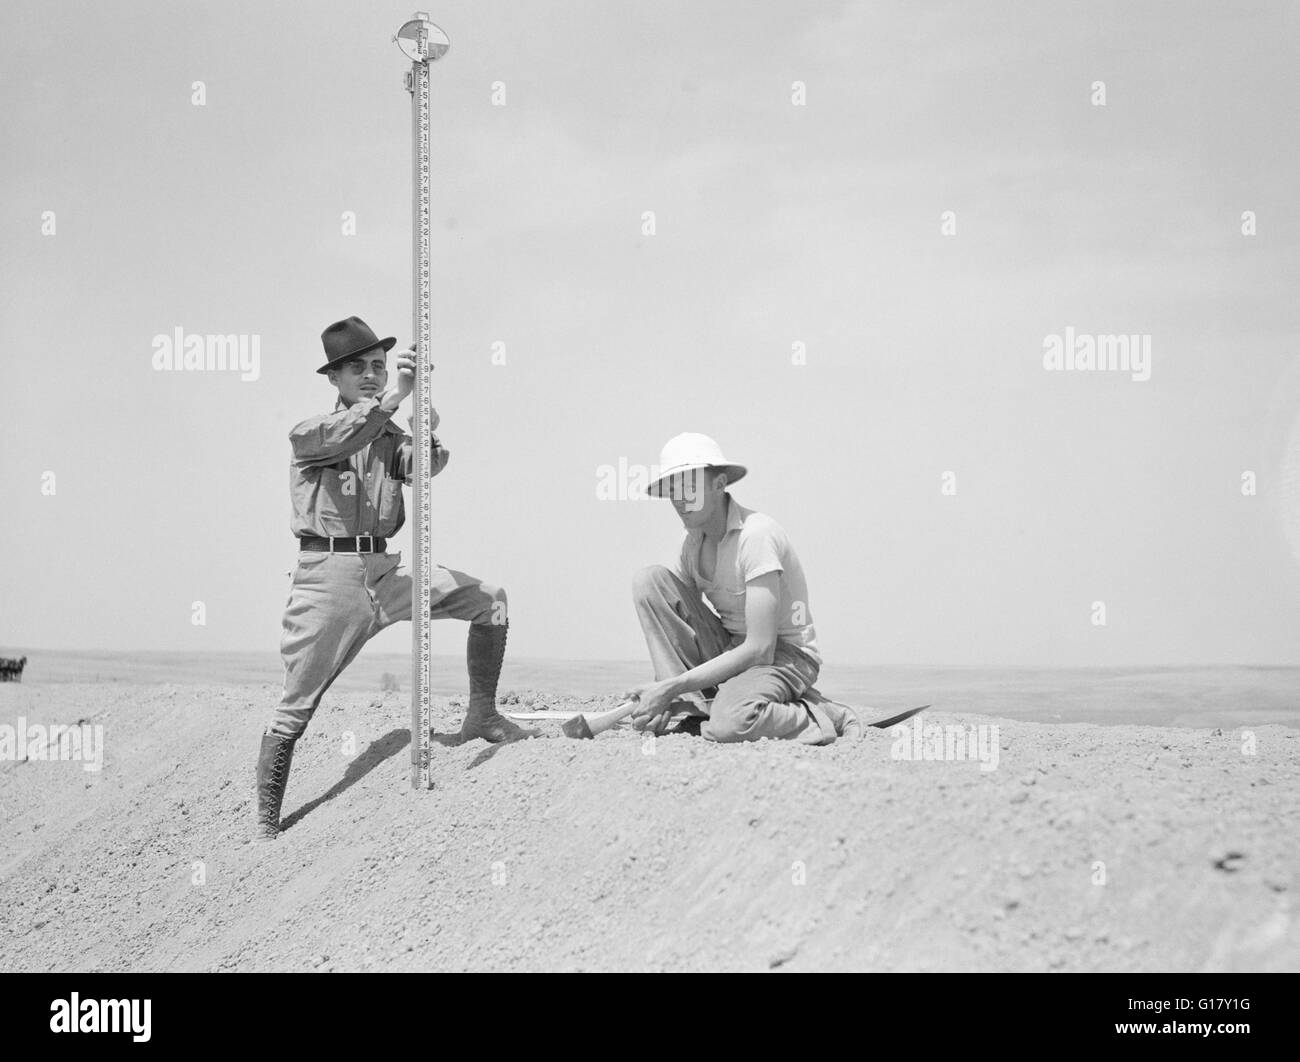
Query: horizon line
[[645, 663]]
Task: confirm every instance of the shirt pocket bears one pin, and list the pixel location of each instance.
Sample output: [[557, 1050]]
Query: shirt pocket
[[727, 602], [337, 498], [390, 505], [394, 466], [728, 581]]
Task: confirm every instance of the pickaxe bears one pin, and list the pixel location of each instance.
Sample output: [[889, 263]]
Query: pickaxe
[[589, 724]]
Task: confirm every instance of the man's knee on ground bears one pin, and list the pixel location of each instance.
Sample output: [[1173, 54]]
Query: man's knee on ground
[[733, 719], [650, 582]]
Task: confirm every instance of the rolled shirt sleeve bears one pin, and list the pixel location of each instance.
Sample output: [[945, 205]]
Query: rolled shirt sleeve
[[406, 457], [331, 437], [761, 545]]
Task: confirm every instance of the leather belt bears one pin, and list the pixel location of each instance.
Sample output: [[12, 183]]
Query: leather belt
[[359, 544]]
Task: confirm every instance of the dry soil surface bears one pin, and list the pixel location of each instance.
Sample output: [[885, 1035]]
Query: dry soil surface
[[1087, 848]]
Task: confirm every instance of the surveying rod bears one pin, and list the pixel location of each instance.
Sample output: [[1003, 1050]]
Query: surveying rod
[[423, 43]]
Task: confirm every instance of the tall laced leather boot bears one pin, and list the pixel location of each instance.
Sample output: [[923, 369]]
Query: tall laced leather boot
[[484, 653], [272, 773]]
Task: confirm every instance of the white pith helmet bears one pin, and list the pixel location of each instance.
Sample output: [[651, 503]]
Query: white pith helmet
[[690, 450]]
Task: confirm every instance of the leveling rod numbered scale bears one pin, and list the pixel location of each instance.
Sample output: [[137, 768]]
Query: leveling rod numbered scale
[[423, 43]]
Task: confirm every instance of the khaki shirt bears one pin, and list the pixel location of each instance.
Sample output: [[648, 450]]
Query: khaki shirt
[[752, 545], [347, 472]]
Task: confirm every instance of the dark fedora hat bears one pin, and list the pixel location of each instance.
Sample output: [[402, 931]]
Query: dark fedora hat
[[347, 338]]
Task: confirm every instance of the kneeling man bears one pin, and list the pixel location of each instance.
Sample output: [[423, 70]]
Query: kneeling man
[[745, 670]]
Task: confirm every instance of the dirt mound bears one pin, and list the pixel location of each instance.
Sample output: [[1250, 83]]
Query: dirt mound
[[1088, 848]]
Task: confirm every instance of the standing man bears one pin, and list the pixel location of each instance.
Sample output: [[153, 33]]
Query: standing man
[[345, 484], [745, 670]]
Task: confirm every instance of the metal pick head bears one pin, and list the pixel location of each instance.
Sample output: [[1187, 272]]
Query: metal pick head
[[577, 727], [421, 40]]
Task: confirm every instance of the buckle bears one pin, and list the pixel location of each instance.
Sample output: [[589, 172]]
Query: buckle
[[370, 543]]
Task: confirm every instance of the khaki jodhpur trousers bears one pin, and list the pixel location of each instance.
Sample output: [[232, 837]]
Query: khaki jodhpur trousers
[[773, 701], [339, 601]]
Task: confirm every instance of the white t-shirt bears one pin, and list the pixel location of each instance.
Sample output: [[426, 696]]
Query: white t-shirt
[[753, 545]]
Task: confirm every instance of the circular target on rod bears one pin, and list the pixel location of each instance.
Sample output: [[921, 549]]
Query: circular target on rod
[[421, 40]]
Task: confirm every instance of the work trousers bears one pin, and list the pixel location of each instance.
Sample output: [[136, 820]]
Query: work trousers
[[775, 700], [339, 601]]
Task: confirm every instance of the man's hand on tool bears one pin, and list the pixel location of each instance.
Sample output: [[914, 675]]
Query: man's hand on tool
[[440, 458], [654, 706], [400, 387]]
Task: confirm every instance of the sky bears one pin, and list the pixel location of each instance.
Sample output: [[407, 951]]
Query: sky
[[799, 299]]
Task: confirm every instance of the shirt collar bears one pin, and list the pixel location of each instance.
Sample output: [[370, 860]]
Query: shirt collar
[[736, 514]]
